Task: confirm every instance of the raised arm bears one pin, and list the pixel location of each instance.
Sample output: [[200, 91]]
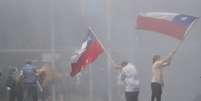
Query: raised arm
[[115, 65], [167, 60]]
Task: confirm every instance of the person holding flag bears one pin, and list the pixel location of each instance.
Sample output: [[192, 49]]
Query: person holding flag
[[157, 74], [171, 24]]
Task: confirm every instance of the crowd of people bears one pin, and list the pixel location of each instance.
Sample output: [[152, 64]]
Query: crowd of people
[[32, 83]]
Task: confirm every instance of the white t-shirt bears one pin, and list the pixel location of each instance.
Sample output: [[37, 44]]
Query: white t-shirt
[[129, 76]]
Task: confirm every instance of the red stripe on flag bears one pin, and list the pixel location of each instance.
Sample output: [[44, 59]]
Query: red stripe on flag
[[75, 68], [87, 57], [92, 52], [163, 26]]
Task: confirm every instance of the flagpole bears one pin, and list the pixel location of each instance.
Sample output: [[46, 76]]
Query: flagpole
[[108, 22], [109, 69], [90, 84], [52, 26]]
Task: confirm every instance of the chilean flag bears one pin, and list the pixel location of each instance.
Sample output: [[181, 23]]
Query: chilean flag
[[91, 48], [171, 24]]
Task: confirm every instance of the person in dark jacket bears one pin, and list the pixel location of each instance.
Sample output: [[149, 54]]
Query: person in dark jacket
[[1, 86], [11, 84]]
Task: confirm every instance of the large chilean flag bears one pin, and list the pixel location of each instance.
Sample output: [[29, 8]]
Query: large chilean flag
[[171, 24], [91, 48]]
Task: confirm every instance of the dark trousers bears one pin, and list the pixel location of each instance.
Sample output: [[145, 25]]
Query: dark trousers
[[132, 96], [15, 94], [156, 91], [30, 91], [12, 94]]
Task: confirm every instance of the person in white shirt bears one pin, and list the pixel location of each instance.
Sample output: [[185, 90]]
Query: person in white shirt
[[129, 77], [157, 74]]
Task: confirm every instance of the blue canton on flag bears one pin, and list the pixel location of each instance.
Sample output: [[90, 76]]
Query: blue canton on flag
[[184, 20]]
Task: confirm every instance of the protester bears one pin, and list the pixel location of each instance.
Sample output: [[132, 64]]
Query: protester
[[129, 76], [1, 86], [29, 81], [19, 87], [48, 77], [157, 74], [11, 84]]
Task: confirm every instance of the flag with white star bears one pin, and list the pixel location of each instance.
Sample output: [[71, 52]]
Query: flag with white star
[[171, 24], [90, 49]]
